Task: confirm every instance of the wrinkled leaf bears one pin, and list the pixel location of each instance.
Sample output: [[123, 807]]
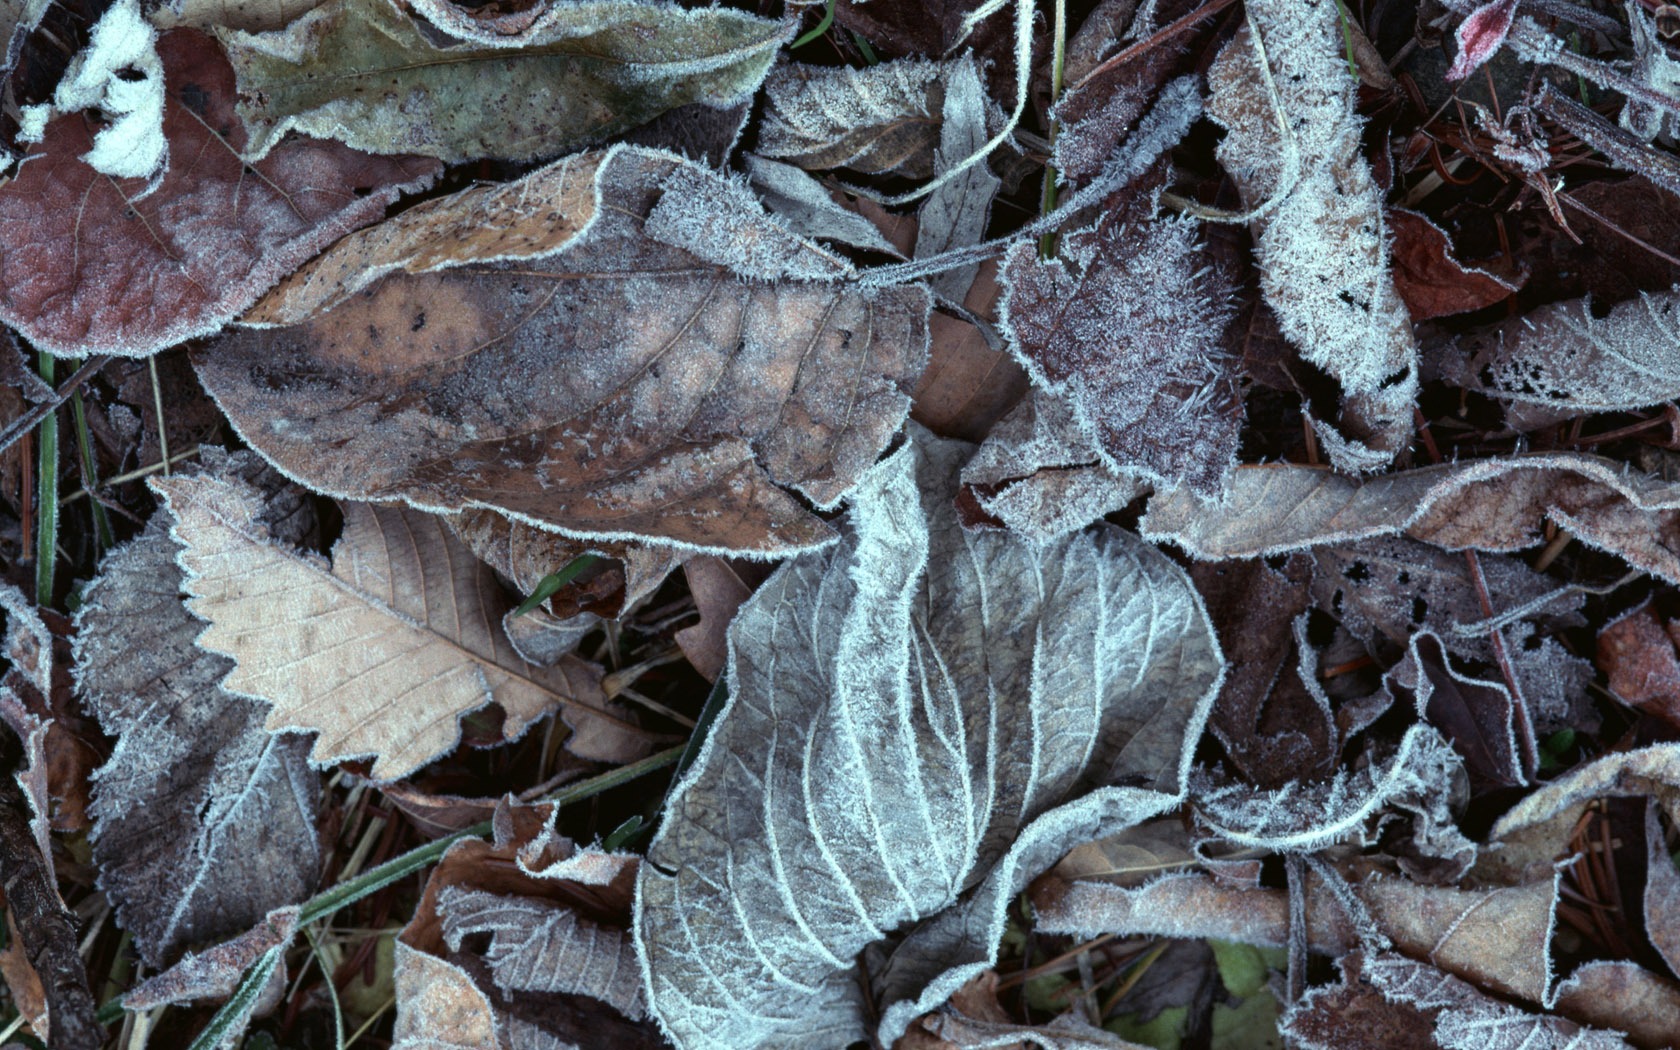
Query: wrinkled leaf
[[956, 212], [384, 651], [366, 73], [88, 265], [203, 821], [621, 388], [948, 711], [801, 201]]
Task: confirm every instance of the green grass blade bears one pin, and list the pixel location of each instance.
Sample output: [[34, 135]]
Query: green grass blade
[[551, 584]]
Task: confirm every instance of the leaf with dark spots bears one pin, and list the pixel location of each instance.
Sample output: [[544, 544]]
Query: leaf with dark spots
[[607, 386], [93, 264]]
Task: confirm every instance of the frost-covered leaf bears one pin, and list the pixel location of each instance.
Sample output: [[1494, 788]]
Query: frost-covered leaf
[[1480, 35], [381, 653], [880, 118], [1125, 326], [1662, 892], [203, 821], [1637, 651], [439, 1007], [801, 201], [955, 213], [253, 16], [1293, 146], [1389, 1002], [618, 389], [1562, 357], [1492, 505], [1308, 815], [214, 973], [541, 946], [1039, 472], [369, 74], [909, 713], [90, 265], [719, 592], [1652, 770]]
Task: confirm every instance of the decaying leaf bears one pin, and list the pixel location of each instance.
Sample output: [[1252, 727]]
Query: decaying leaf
[[1427, 276], [1637, 652], [1490, 505], [213, 974], [805, 205], [1125, 325], [1282, 90], [882, 118], [384, 651], [622, 388], [203, 821], [91, 265], [900, 731], [369, 74], [1562, 357]]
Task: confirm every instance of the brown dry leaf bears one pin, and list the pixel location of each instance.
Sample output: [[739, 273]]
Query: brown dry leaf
[[439, 1007], [1626, 997], [1637, 652], [1493, 505], [1282, 90], [718, 592], [1662, 892], [1039, 473], [1389, 1002], [969, 384], [203, 821], [382, 653], [1130, 858], [93, 264], [1429, 279], [622, 388], [1273, 728], [1653, 771], [215, 972]]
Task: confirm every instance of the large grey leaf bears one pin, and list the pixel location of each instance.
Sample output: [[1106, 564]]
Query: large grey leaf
[[203, 822], [369, 74], [909, 711]]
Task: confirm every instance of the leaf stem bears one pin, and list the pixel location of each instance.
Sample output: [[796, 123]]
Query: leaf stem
[[1058, 59]]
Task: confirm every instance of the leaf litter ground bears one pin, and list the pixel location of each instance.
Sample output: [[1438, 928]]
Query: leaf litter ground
[[1094, 524]]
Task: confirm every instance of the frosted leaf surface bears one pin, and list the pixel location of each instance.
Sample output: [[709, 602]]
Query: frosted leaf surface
[[1320, 245], [717, 219], [367, 73], [1496, 505], [542, 946], [955, 213], [620, 388], [880, 118], [203, 821], [88, 264], [1560, 356], [805, 206], [1125, 326], [381, 653], [910, 712], [1040, 473]]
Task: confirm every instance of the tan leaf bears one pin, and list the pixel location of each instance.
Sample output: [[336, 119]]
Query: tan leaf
[[1493, 505], [621, 388], [380, 654], [439, 1007], [1653, 770], [718, 592]]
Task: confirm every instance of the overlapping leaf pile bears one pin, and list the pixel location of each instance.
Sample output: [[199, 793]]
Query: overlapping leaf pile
[[1020, 398]]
